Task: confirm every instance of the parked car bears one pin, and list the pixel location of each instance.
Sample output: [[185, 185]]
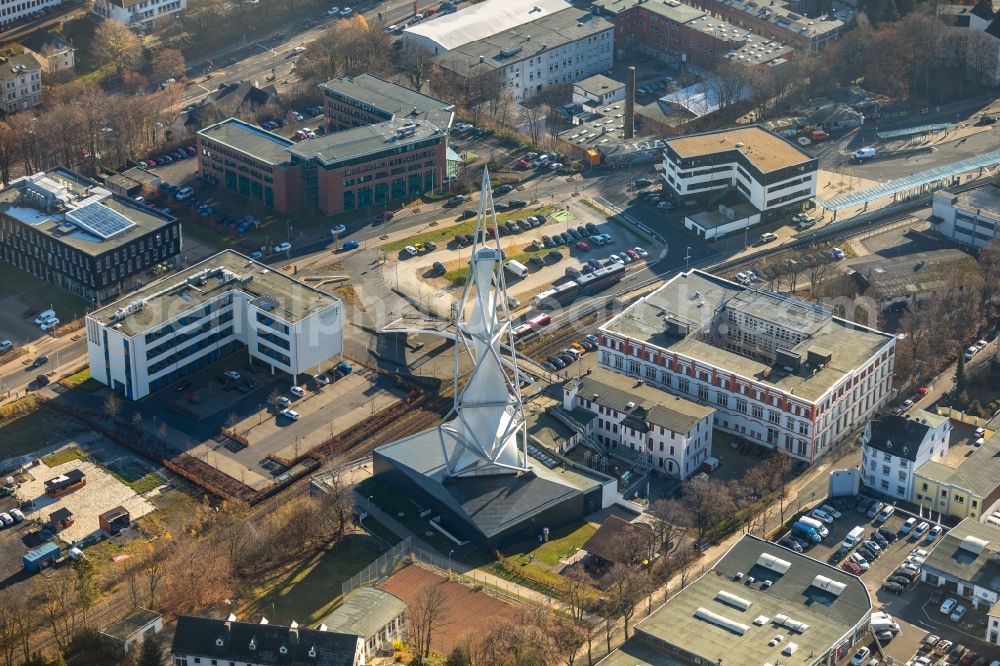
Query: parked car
[[920, 531], [290, 414], [860, 657], [895, 588], [934, 533], [957, 614], [852, 567], [821, 515], [948, 605], [768, 237], [282, 247], [297, 391]]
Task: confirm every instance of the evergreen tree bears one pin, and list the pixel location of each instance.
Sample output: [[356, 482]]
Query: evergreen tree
[[151, 654], [961, 381], [890, 11]]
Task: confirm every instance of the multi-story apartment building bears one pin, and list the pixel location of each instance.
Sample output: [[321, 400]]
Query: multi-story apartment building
[[894, 446], [70, 231], [191, 319], [356, 168], [968, 489], [20, 83], [12, 11], [563, 47], [755, 174], [970, 217], [355, 101], [672, 434], [137, 12], [778, 371]]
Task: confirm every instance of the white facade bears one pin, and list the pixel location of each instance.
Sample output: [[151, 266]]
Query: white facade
[[963, 222], [20, 83], [565, 63], [15, 10], [136, 359], [674, 452], [139, 12], [479, 21], [598, 91], [893, 450], [993, 630], [749, 398]]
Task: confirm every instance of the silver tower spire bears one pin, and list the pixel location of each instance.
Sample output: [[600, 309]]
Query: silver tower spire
[[485, 431]]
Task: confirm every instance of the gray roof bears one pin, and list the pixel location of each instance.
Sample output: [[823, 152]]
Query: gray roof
[[55, 224], [598, 85], [909, 275], [900, 435], [363, 141], [979, 473], [135, 620], [984, 200], [547, 430], [40, 40], [968, 552], [829, 617], [546, 33], [677, 12], [199, 636], [365, 612], [395, 101], [284, 297], [251, 139], [695, 297], [651, 404], [492, 504], [24, 59]]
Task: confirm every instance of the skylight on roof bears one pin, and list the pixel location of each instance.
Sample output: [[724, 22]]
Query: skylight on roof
[[98, 219]]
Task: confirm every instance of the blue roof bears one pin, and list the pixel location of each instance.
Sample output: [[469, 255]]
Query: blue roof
[[937, 175], [42, 551]]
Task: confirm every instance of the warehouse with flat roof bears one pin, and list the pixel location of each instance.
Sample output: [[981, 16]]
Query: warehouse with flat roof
[[479, 21]]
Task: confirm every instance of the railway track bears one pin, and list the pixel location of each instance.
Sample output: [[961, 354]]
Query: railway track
[[559, 338]]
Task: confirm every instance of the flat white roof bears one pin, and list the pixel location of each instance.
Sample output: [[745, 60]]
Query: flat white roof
[[480, 21]]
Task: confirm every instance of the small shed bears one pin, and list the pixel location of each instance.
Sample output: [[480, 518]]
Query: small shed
[[379, 617], [60, 519], [65, 483], [618, 541], [131, 630], [41, 557], [114, 520]]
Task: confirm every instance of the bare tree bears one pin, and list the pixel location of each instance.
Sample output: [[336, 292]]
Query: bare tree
[[535, 118], [427, 614], [112, 406], [116, 45], [817, 272], [627, 586], [168, 63]]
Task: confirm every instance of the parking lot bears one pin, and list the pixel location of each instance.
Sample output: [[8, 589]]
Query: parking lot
[[917, 607]]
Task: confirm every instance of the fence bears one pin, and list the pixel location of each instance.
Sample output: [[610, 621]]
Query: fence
[[386, 564]]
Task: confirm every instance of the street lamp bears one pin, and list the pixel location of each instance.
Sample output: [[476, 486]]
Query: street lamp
[[370, 497], [449, 563]]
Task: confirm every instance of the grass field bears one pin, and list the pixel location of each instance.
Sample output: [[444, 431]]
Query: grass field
[[562, 543], [40, 295], [77, 378], [135, 475], [310, 589], [446, 231], [64, 456], [35, 431]]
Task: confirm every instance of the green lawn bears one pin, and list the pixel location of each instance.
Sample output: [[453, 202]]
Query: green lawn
[[64, 456], [34, 431], [77, 378], [446, 231], [40, 295], [135, 475], [309, 590], [562, 543]]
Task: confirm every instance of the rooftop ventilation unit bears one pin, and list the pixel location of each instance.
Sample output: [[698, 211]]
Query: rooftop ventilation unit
[[731, 599], [829, 585], [789, 623], [761, 620], [513, 51], [790, 649], [721, 621], [773, 563], [973, 545]]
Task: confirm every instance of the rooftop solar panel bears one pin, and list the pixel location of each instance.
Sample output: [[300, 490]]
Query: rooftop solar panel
[[100, 220]]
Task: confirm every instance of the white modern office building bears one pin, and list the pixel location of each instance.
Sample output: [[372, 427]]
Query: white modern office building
[[895, 445], [12, 11], [479, 21], [137, 12], [970, 217], [560, 48], [187, 321], [779, 372], [741, 175], [670, 434]]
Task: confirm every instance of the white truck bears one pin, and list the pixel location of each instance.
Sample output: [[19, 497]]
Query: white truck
[[884, 622], [516, 268]]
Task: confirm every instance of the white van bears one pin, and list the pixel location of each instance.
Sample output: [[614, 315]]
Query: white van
[[854, 537], [815, 524], [863, 154], [516, 268], [44, 317]]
